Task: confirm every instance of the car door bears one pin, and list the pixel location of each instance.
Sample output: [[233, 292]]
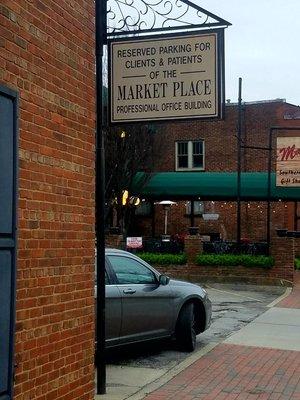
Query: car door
[[147, 310], [113, 309]]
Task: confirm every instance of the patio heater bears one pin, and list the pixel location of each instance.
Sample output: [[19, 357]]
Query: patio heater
[[166, 206]]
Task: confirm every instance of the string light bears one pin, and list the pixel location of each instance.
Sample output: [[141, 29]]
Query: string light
[[125, 197], [249, 205]]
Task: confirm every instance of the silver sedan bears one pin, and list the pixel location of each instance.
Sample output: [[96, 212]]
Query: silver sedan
[[142, 304]]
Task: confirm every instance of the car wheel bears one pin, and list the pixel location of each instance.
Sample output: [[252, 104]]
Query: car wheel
[[186, 328]]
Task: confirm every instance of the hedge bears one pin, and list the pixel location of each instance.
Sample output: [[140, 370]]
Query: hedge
[[163, 259], [234, 260], [297, 263]]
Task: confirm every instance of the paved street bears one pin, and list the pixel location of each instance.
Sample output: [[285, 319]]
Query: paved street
[[234, 306]]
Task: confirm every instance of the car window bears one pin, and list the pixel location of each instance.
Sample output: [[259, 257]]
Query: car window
[[129, 270], [106, 278]]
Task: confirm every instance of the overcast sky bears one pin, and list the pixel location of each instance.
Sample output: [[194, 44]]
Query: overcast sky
[[262, 47]]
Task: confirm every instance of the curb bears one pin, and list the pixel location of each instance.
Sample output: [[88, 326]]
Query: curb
[[278, 300]]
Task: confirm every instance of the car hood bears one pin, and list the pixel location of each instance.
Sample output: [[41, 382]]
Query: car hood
[[190, 287], [182, 283]]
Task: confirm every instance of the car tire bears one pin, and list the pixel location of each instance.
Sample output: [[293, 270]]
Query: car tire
[[186, 328]]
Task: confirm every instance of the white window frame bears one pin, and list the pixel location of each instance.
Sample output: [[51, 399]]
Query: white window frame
[[190, 155]]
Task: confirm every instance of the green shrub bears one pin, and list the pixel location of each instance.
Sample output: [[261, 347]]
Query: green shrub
[[257, 261], [163, 259], [297, 263], [217, 259], [234, 260]]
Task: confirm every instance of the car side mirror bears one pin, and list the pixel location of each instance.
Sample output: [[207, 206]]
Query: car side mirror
[[164, 280]]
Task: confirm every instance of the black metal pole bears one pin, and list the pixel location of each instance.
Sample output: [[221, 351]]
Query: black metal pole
[[192, 213], [239, 166], [100, 21], [269, 191], [152, 218]]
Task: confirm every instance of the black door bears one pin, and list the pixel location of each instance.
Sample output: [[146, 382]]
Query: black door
[[8, 169]]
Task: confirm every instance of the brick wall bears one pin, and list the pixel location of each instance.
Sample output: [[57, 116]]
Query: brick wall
[[192, 247], [221, 155], [196, 273], [283, 251], [220, 138], [114, 241], [47, 54]]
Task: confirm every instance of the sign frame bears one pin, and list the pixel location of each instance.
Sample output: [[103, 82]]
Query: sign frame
[[287, 170], [220, 77]]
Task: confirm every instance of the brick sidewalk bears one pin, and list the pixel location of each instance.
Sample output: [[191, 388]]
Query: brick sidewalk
[[234, 372], [231, 372], [293, 300]]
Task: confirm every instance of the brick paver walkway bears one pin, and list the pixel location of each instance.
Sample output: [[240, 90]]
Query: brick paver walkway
[[231, 372], [293, 300]]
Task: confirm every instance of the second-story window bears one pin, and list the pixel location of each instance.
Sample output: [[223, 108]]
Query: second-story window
[[189, 155]]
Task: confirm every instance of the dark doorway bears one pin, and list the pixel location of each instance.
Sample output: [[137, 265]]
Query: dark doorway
[[8, 195]]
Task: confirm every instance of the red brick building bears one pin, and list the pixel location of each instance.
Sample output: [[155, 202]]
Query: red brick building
[[47, 73], [211, 146], [47, 69]]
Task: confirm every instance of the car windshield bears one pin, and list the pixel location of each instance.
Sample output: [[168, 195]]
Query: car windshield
[[129, 270]]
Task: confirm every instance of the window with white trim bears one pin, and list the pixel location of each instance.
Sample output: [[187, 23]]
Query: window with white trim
[[189, 155]]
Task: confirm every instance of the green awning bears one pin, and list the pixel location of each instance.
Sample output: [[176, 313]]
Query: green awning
[[209, 186]]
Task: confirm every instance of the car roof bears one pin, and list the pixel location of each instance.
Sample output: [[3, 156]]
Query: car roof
[[115, 251]]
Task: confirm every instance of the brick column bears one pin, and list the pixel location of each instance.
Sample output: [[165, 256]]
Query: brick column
[[115, 241], [283, 251], [193, 245]]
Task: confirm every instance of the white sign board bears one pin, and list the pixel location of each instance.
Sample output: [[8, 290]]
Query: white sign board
[[134, 242], [166, 78], [288, 162]]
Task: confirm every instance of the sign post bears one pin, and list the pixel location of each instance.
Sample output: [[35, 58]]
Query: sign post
[[164, 77]]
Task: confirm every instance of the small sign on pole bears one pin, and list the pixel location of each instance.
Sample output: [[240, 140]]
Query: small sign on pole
[[134, 242], [167, 78], [288, 162]]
